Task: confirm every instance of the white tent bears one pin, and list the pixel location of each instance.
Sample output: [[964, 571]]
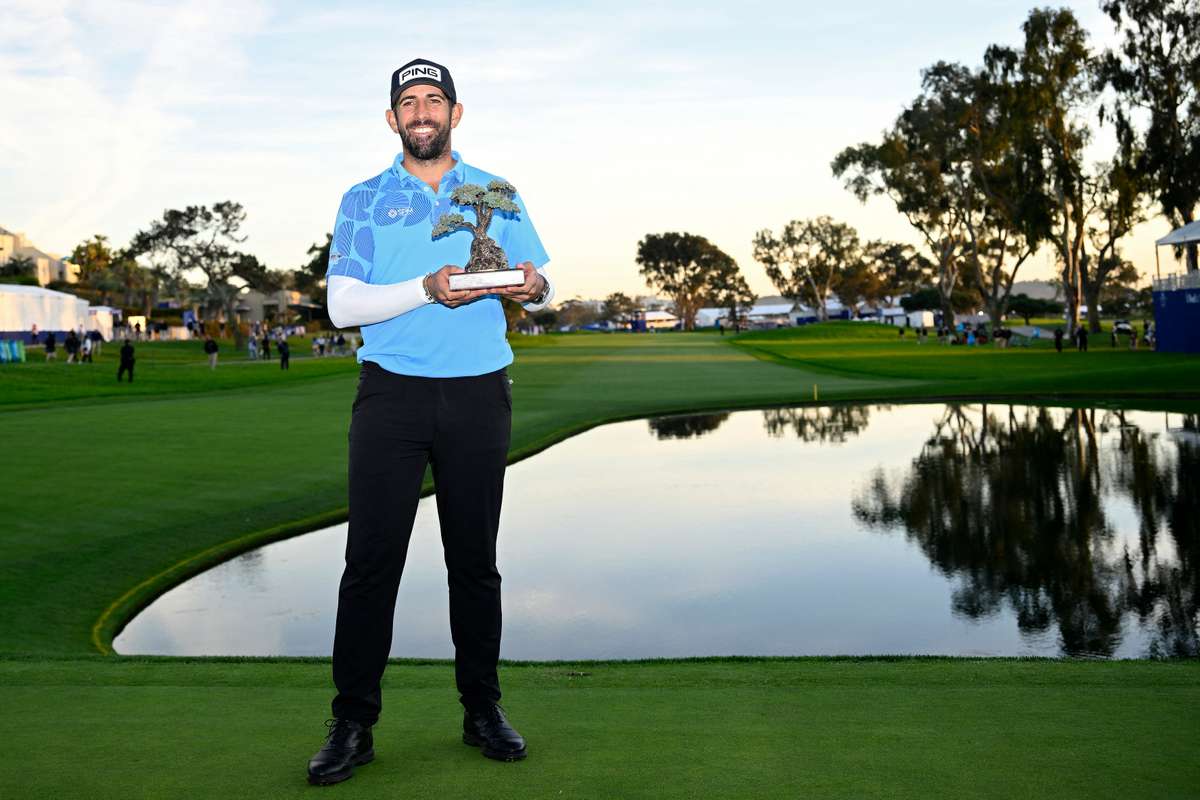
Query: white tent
[[1188, 234], [101, 318], [22, 307]]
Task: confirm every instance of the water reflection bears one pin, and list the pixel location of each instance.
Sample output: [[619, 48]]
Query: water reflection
[[1011, 504], [686, 426], [832, 424], [1050, 531]]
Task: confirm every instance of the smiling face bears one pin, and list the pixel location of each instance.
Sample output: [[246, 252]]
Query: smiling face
[[424, 118]]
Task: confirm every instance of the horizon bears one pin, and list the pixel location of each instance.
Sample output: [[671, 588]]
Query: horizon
[[135, 108]]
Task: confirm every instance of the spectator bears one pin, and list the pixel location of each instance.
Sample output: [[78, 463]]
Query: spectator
[[1058, 339], [252, 348], [210, 347], [284, 354], [51, 344], [266, 347], [97, 340], [86, 348], [126, 361], [1081, 338], [71, 345]]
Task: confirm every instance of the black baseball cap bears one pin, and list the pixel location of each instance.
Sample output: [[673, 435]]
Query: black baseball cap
[[421, 70]]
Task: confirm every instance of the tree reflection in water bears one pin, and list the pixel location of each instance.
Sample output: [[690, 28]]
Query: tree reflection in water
[[1012, 505], [686, 426], [824, 424]]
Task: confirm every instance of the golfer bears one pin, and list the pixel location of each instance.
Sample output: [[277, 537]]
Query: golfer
[[432, 390]]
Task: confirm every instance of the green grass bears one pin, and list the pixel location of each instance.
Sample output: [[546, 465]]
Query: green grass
[[112, 493], [861, 350], [787, 728]]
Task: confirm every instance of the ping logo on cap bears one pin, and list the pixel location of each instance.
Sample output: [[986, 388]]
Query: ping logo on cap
[[421, 71]]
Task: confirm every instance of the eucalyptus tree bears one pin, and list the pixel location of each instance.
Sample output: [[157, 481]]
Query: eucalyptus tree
[[1006, 210], [205, 240], [1155, 75], [1117, 208], [918, 165], [897, 269], [807, 259], [688, 268], [1057, 87]]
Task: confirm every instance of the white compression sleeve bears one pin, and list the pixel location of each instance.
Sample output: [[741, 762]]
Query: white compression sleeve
[[353, 302]]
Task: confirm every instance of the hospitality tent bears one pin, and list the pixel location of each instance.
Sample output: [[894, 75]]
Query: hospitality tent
[[1188, 234], [22, 307]]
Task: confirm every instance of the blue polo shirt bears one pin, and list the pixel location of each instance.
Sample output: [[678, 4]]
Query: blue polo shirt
[[383, 234]]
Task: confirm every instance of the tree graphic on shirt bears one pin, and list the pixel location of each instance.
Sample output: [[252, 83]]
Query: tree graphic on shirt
[[485, 253]]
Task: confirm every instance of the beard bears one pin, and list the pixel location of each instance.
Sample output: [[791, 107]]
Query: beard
[[429, 148]]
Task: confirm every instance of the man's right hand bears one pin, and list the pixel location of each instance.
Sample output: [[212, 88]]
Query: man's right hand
[[438, 285]]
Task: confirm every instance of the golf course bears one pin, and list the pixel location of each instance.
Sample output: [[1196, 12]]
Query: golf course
[[116, 492]]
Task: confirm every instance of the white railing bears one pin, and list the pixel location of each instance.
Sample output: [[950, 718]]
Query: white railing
[[1184, 280]]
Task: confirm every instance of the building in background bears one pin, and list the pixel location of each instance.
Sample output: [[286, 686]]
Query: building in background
[[48, 268]]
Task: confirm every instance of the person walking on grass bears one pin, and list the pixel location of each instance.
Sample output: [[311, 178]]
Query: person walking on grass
[[210, 347], [1081, 339], [252, 348], [126, 362], [284, 354], [1058, 339], [51, 346], [433, 389], [71, 345]]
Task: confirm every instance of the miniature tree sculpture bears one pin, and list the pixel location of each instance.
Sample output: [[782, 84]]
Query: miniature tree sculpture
[[486, 255]]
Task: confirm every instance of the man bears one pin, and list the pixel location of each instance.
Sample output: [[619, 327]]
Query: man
[[433, 389], [126, 362], [211, 348]]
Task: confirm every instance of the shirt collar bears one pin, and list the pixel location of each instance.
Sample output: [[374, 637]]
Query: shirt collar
[[455, 177]]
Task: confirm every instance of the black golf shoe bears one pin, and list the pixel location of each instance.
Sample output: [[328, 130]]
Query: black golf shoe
[[487, 729], [347, 745]]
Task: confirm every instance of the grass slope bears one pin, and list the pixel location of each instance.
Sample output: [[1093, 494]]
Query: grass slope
[[787, 728]]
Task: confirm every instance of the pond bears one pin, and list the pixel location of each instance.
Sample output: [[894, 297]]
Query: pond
[[993, 530]]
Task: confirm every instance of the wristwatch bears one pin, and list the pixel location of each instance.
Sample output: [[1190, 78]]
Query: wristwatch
[[429, 298], [541, 298]]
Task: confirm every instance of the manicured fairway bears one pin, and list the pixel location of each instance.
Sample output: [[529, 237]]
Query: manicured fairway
[[761, 728], [111, 495]]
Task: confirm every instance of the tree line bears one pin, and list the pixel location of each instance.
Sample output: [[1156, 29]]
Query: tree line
[[163, 259], [989, 164]]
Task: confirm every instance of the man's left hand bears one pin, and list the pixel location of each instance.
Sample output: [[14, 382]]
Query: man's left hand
[[533, 287]]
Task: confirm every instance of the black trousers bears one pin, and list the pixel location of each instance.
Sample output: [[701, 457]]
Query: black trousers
[[126, 366], [400, 424]]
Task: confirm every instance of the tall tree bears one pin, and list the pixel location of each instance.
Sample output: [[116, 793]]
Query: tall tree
[[1005, 209], [808, 258], [1116, 209], [1056, 83], [918, 165], [618, 306], [95, 259], [1155, 72], [730, 291], [899, 268], [310, 277], [686, 267], [203, 239]]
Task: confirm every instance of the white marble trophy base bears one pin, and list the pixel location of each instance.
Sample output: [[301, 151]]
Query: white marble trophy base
[[486, 279]]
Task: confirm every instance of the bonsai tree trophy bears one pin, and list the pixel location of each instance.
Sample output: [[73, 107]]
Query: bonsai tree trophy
[[487, 267]]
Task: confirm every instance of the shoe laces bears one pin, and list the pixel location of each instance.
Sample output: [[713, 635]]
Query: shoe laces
[[336, 726]]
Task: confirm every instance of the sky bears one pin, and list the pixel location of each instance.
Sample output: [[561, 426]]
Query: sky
[[613, 120]]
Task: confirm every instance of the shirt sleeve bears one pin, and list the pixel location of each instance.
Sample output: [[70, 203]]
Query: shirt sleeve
[[352, 250], [519, 239]]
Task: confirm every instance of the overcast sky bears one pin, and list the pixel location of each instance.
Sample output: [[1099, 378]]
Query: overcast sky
[[613, 120]]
